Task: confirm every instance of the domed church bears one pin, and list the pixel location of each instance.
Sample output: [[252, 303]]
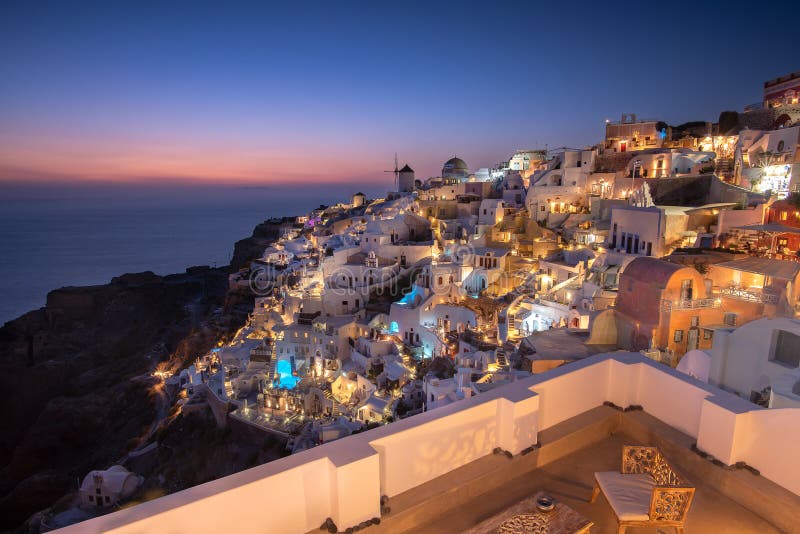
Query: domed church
[[455, 170]]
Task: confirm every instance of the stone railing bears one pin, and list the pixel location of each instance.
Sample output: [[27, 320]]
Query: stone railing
[[345, 479]]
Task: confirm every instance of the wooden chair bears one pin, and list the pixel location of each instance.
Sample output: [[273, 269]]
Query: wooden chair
[[647, 491]]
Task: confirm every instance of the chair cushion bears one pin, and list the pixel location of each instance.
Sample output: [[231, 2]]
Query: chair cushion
[[628, 494]]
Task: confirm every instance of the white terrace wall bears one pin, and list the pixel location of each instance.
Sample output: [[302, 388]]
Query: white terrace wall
[[274, 502], [664, 394], [728, 427], [425, 451], [570, 392], [771, 446], [344, 479], [767, 440]]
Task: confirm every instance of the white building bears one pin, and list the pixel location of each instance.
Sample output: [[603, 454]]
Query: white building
[[768, 160], [650, 231], [108, 488], [658, 230], [440, 392], [632, 133], [513, 188], [561, 188], [759, 355], [406, 181], [491, 211], [522, 160], [669, 162]]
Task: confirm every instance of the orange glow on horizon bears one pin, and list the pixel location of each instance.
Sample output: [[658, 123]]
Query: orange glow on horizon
[[183, 165]]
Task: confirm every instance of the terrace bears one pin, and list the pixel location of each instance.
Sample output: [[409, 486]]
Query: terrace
[[471, 494], [554, 430]]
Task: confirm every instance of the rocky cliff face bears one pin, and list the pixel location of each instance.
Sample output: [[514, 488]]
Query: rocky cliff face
[[263, 235], [75, 375]]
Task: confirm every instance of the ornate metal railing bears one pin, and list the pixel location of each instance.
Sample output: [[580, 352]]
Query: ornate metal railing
[[669, 305], [750, 296]]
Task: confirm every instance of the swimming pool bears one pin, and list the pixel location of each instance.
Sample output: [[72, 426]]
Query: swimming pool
[[285, 377]]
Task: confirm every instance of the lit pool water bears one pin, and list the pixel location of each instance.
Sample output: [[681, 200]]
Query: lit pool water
[[285, 377]]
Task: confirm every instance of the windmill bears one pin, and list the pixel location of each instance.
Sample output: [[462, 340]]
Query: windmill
[[396, 172]]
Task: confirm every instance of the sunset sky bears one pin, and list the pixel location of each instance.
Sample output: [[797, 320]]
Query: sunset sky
[[232, 92]]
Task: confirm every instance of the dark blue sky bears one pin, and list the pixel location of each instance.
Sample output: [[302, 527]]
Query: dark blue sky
[[329, 91]]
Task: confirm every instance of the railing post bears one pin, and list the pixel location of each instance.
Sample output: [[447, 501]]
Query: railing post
[[722, 428], [356, 485], [518, 420]]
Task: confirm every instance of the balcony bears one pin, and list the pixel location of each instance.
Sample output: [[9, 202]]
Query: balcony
[[749, 295], [670, 305], [440, 471]]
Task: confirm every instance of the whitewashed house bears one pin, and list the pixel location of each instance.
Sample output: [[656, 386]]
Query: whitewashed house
[[100, 489]]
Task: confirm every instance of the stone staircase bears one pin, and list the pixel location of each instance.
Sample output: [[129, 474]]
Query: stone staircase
[[501, 358], [337, 408], [551, 294], [723, 167], [272, 362], [748, 237]]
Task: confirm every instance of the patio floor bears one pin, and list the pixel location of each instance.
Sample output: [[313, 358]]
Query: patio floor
[[564, 467], [570, 480]]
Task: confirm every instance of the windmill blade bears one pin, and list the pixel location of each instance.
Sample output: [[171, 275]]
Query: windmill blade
[[396, 172]]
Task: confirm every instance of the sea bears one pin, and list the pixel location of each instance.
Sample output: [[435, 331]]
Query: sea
[[73, 235]]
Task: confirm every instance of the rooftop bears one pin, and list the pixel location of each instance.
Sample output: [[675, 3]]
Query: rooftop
[[439, 471], [781, 79], [455, 164], [784, 270], [491, 251], [559, 344], [651, 270], [361, 258]]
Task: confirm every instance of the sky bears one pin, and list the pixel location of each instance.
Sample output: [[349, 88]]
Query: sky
[[232, 92]]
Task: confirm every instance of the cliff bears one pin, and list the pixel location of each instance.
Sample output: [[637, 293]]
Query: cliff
[[263, 235], [78, 390], [75, 376]]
